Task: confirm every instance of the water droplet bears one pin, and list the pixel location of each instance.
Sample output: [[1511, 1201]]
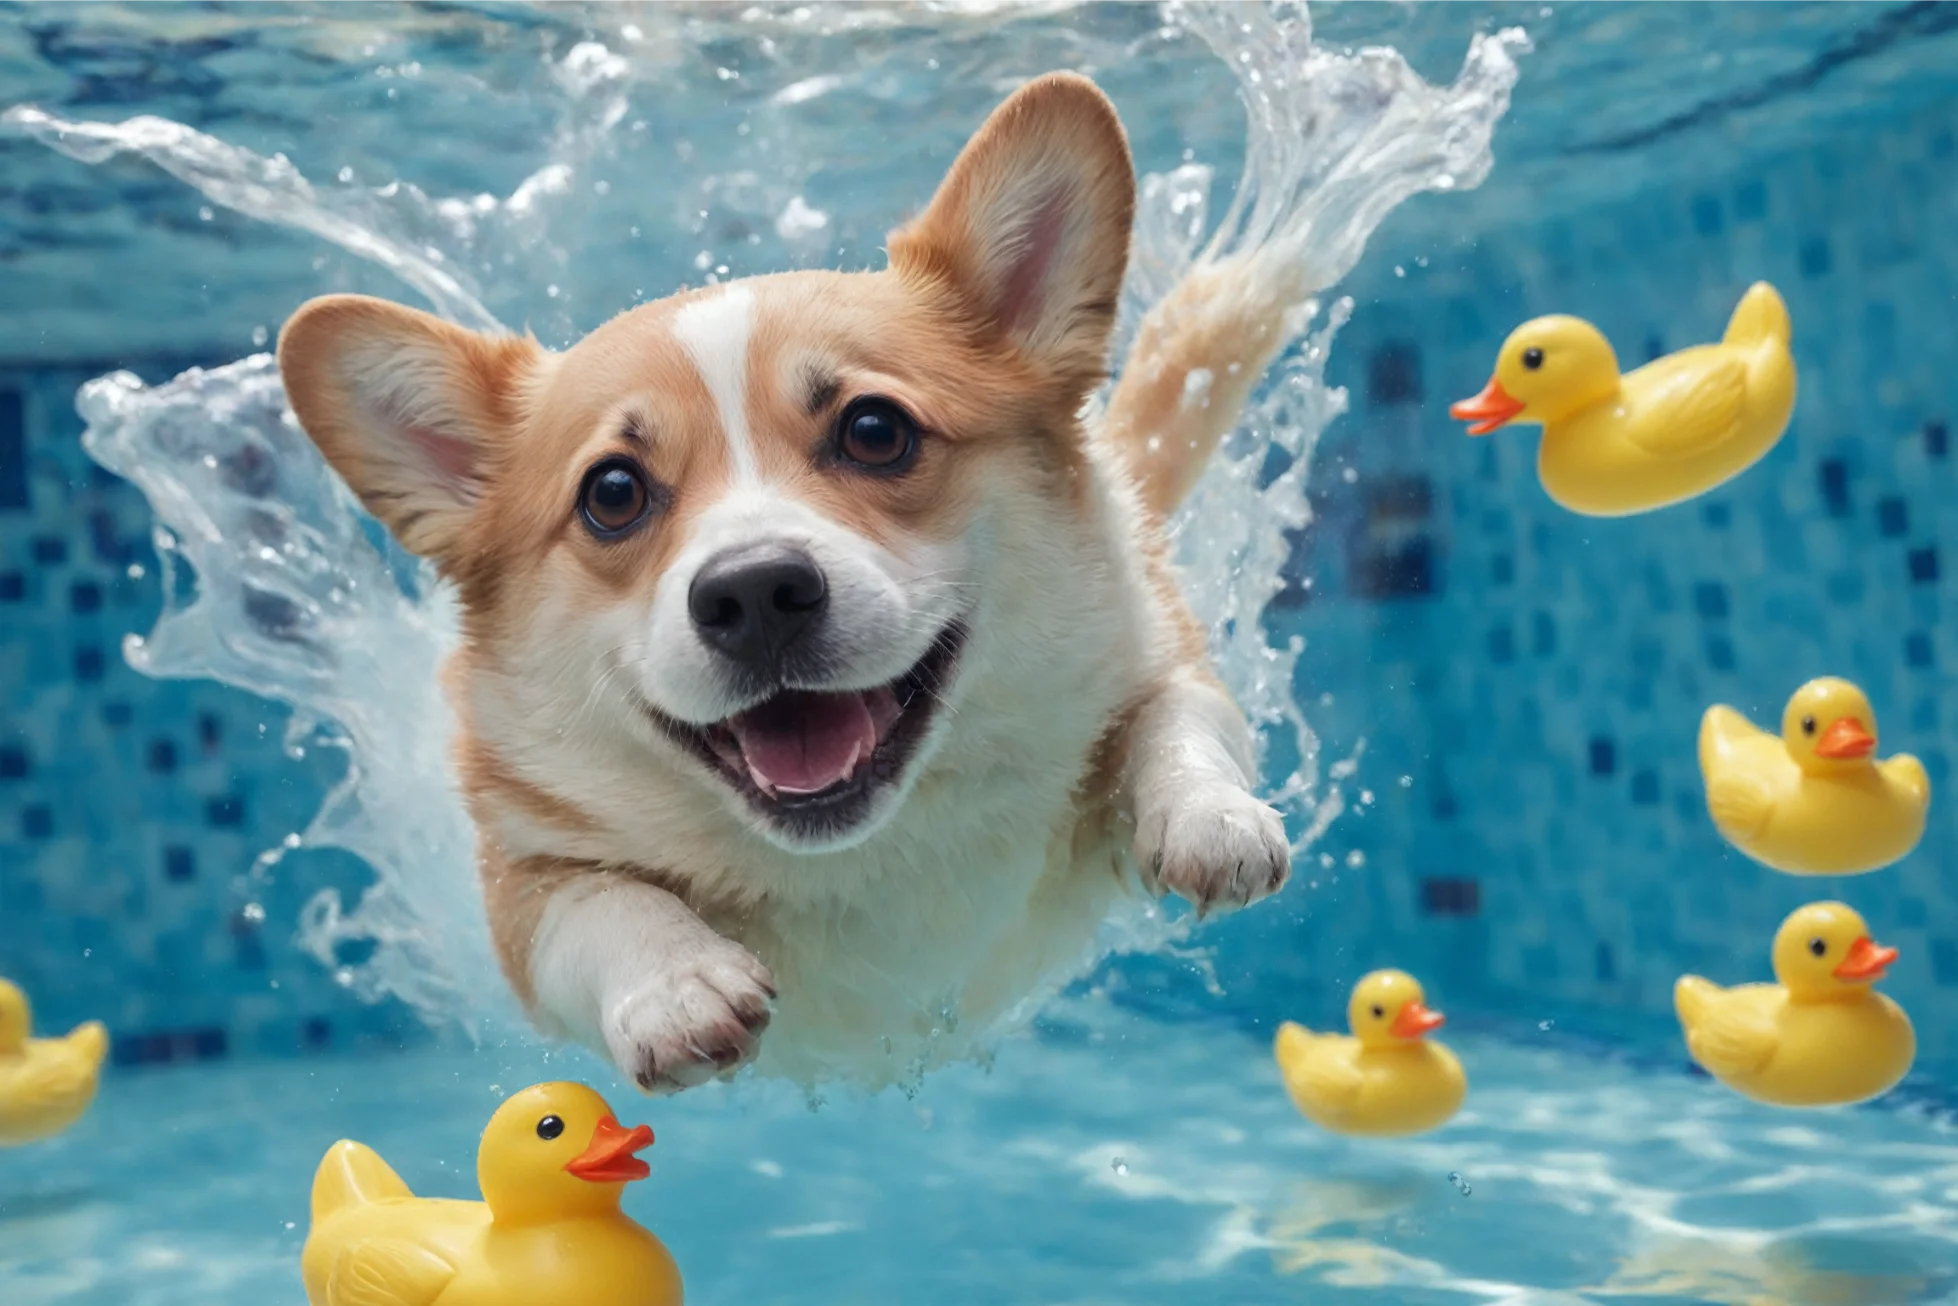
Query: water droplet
[[1355, 860], [205, 213], [1461, 1184], [88, 952], [291, 1225], [1399, 271], [1407, 782], [259, 336], [1349, 475], [345, 175], [1119, 1166], [136, 571], [1545, 1024], [552, 291], [1366, 797], [254, 912]]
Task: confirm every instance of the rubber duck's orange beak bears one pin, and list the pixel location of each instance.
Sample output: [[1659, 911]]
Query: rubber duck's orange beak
[[1415, 1020], [1488, 410], [1866, 961], [610, 1159], [1844, 740]]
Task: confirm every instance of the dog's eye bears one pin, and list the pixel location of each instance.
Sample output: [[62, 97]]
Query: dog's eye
[[614, 498], [550, 1127], [877, 434]]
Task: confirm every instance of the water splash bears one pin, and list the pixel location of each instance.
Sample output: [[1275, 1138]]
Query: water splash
[[300, 597]]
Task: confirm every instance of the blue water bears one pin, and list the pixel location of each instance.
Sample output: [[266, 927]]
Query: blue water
[[1503, 695], [1114, 1161]]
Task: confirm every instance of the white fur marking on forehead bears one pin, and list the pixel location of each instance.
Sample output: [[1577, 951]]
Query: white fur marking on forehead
[[714, 332]]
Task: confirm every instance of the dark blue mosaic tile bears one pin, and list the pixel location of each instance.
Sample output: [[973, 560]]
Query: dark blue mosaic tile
[[1917, 649], [1394, 374], [1751, 201], [1814, 258], [84, 596], [1707, 220], [316, 1032], [1924, 565], [162, 756], [1832, 477], [224, 813], [1502, 646], [117, 714], [1717, 515], [1502, 569], [1606, 964], [1604, 757], [13, 587], [1892, 518], [1710, 599], [179, 865], [36, 822], [1451, 896], [89, 665], [13, 452], [14, 763], [50, 551], [1935, 439], [1944, 962], [1645, 788]]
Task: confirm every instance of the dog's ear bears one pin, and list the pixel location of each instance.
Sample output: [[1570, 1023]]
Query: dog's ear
[[1029, 232], [409, 409]]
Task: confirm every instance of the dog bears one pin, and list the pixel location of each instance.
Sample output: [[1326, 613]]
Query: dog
[[822, 671]]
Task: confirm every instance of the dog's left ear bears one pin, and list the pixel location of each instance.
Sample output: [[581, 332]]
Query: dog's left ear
[[1029, 232]]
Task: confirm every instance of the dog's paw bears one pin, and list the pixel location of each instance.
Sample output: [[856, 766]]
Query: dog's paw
[[699, 1013], [1214, 844]]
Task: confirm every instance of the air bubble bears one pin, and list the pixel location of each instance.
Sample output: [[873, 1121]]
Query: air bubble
[[1461, 1184], [254, 913], [1355, 860], [1119, 1166], [259, 336]]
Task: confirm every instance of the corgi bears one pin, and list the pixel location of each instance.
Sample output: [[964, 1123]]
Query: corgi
[[822, 673]]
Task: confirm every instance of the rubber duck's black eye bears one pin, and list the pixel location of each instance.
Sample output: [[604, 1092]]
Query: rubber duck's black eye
[[1808, 725], [614, 498], [1533, 359], [878, 435], [1818, 947], [1378, 1012], [549, 1127]]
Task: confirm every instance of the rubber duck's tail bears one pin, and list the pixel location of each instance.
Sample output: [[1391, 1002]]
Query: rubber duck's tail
[[1293, 1039], [1761, 316], [91, 1041], [352, 1175]]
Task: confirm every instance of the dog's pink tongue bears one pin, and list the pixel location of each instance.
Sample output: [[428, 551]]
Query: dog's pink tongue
[[802, 743]]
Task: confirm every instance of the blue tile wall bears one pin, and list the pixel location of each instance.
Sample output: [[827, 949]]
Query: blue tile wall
[[132, 810], [1535, 836]]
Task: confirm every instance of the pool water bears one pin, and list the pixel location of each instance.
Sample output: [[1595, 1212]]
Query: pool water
[[1111, 1160], [1480, 708]]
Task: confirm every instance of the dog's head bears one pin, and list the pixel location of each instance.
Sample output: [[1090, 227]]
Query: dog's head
[[747, 530]]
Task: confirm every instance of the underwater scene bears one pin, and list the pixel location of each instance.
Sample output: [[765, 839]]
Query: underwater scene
[[1079, 654]]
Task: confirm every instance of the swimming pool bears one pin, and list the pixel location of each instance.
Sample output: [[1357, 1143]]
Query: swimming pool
[[1485, 737]]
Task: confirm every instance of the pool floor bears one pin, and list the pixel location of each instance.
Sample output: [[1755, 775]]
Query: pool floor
[[1130, 1162]]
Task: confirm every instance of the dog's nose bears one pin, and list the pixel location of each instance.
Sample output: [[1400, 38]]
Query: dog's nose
[[752, 603]]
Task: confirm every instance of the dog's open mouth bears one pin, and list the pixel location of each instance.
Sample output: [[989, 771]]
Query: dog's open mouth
[[813, 759]]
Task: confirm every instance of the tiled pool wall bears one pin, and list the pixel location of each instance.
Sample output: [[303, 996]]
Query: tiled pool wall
[[1528, 683]]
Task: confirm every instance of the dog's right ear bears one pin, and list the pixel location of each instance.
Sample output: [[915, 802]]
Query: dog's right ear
[[410, 410]]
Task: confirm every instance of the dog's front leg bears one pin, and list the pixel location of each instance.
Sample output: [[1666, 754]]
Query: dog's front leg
[[623, 965], [1199, 831]]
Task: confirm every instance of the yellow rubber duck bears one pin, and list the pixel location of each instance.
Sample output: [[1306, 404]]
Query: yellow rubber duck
[[1822, 1036], [1388, 1078], [1814, 801], [1679, 426], [45, 1083], [552, 1165]]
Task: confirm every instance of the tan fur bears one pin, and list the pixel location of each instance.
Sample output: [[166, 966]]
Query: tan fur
[[637, 900]]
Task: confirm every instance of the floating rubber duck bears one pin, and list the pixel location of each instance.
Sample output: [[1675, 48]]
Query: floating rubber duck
[[1814, 801], [1616, 445], [552, 1165], [1820, 1037], [1388, 1078], [45, 1083]]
